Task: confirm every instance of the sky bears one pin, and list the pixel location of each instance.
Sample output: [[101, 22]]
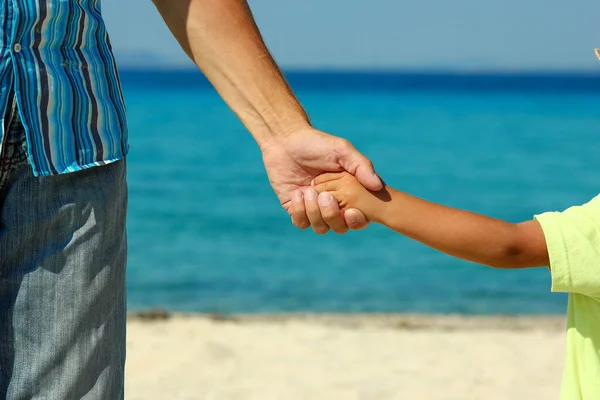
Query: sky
[[388, 34]]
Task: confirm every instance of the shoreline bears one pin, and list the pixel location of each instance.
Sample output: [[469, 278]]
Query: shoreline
[[399, 321]]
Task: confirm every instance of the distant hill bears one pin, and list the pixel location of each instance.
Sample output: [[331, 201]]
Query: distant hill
[[148, 60]]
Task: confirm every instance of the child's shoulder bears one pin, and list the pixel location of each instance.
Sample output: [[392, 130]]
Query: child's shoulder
[[572, 239], [591, 209]]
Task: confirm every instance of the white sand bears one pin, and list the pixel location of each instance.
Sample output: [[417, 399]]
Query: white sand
[[352, 357]]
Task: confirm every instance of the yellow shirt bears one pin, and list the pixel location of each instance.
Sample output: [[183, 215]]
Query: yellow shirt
[[573, 240]]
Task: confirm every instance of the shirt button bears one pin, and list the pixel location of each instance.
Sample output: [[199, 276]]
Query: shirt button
[[17, 47]]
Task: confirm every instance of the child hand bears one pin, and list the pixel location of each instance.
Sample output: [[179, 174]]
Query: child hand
[[349, 193]]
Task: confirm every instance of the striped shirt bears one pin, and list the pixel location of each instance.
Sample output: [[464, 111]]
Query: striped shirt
[[56, 57]]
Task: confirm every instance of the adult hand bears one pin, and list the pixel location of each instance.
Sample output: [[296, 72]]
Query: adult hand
[[222, 38], [293, 161]]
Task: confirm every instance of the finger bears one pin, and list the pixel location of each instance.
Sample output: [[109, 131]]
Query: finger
[[298, 211], [326, 187], [330, 211], [355, 219], [327, 177], [365, 173], [314, 212], [360, 166]]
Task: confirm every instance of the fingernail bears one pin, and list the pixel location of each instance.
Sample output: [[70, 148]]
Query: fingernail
[[352, 218], [376, 177], [311, 194], [325, 199]]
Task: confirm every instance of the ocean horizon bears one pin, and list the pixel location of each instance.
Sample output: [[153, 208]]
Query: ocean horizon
[[207, 234], [388, 79]]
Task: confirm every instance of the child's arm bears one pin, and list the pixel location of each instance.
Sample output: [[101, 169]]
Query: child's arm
[[462, 234]]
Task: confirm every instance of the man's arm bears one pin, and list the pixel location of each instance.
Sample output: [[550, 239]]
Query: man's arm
[[221, 37], [462, 234]]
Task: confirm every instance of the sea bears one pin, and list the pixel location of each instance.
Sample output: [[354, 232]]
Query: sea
[[207, 234]]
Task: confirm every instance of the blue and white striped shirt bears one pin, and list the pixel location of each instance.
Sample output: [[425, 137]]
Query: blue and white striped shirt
[[57, 57]]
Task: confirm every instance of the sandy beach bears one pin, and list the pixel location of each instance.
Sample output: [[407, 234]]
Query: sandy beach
[[353, 357]]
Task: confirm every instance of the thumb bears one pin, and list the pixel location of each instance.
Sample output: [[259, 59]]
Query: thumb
[[355, 219], [361, 167]]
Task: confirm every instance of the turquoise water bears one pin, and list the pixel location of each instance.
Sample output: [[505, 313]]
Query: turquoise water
[[206, 232]]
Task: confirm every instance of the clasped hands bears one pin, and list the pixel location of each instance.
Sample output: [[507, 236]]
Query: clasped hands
[[295, 162]]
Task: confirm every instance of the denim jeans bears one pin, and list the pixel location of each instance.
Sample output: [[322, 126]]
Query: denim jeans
[[62, 278]]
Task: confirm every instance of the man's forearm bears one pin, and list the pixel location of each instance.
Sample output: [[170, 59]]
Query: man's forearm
[[465, 235], [221, 37]]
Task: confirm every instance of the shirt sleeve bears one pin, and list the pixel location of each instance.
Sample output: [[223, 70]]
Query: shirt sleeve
[[573, 241]]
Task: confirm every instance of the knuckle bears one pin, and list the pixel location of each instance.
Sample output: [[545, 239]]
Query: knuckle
[[302, 224], [341, 230], [297, 204], [345, 144], [312, 210], [320, 228], [297, 211], [330, 213], [311, 202], [351, 197]]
